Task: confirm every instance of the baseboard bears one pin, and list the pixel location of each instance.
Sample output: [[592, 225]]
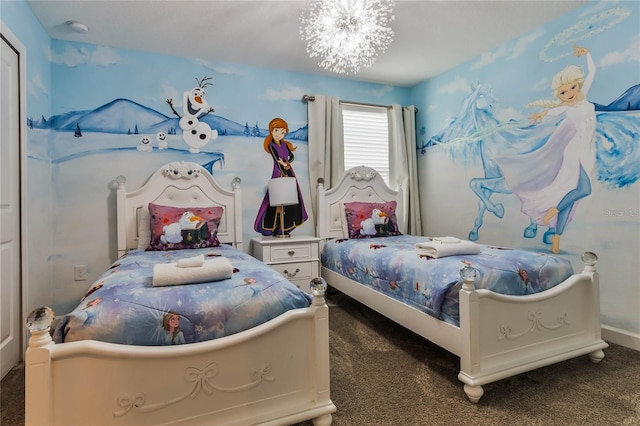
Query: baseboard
[[621, 337]]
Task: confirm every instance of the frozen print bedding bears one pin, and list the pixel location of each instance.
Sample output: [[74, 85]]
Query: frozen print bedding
[[123, 306], [393, 266]]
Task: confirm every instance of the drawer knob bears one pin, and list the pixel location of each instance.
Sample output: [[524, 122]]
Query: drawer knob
[[291, 252], [291, 274]]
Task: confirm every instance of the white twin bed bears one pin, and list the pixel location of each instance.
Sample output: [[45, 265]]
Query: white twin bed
[[274, 373], [498, 335]]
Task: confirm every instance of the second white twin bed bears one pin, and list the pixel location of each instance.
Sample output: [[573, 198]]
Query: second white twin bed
[[502, 311]]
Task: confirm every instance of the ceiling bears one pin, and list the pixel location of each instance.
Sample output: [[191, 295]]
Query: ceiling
[[430, 36]]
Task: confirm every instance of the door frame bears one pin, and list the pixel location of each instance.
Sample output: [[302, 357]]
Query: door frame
[[22, 130]]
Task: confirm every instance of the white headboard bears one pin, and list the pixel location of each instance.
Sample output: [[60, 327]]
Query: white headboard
[[176, 184], [360, 183]]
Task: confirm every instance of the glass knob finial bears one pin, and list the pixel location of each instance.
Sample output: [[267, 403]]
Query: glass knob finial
[[40, 319], [589, 258], [318, 286], [467, 273]]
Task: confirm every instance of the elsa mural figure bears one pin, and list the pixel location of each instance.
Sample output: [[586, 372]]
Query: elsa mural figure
[[551, 180], [268, 221]]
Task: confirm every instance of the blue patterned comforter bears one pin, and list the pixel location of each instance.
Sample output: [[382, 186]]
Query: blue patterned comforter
[[392, 266], [123, 307]]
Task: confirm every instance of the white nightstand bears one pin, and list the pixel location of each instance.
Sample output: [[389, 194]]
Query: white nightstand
[[297, 257]]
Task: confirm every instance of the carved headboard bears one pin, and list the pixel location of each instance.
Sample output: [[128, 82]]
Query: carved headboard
[[360, 183], [176, 184]]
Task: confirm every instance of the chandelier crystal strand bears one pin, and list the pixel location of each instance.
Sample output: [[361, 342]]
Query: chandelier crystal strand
[[347, 34]]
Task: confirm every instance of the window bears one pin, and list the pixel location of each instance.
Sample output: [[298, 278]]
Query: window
[[366, 137]]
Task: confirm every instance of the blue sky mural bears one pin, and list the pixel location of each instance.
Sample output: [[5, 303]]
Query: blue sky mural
[[521, 71], [238, 93]]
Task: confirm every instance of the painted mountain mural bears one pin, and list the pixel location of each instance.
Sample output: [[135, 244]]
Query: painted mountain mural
[[123, 116], [629, 101]]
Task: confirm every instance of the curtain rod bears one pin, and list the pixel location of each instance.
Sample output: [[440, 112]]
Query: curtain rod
[[311, 98]]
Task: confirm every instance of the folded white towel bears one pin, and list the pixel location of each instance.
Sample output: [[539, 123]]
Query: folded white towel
[[191, 262], [438, 249], [217, 269], [446, 240]]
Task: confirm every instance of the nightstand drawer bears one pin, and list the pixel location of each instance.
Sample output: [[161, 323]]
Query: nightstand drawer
[[292, 252], [297, 270]]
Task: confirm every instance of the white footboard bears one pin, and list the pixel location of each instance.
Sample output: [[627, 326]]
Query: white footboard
[[501, 336], [508, 335], [276, 373]]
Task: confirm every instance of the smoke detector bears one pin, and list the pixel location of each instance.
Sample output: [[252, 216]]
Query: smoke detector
[[77, 27]]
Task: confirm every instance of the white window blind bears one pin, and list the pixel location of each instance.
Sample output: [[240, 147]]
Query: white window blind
[[366, 137]]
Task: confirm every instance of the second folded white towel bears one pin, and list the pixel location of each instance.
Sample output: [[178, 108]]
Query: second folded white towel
[[217, 269], [447, 246]]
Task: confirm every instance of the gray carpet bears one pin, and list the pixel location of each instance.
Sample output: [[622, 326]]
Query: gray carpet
[[383, 374]]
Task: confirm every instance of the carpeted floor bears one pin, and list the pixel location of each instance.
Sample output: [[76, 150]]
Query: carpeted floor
[[383, 374]]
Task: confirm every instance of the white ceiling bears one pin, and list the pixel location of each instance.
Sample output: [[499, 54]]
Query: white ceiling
[[430, 36]]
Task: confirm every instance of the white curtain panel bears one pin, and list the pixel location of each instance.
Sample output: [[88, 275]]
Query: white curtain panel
[[326, 158], [415, 214], [403, 164]]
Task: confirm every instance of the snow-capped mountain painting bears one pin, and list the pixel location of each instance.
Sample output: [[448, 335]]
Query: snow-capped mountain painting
[[628, 101], [124, 116]]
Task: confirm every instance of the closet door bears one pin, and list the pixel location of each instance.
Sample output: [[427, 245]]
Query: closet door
[[10, 258]]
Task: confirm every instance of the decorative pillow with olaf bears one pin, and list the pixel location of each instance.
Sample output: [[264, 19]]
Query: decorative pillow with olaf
[[366, 220], [178, 228]]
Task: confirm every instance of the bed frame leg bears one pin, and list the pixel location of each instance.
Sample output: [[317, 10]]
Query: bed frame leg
[[596, 356], [474, 393], [324, 420]]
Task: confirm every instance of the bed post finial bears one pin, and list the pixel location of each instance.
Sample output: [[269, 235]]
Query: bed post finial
[[121, 181], [468, 275], [589, 259], [236, 182], [38, 322], [318, 289]]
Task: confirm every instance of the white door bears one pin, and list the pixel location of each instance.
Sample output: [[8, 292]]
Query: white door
[[10, 300]]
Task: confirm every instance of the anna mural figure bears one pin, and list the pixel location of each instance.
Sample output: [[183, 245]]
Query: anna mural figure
[[268, 219]]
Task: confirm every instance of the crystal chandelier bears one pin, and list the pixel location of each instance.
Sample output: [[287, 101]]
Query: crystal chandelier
[[347, 34]]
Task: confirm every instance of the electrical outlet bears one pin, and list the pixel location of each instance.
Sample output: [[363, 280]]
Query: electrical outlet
[[80, 272]]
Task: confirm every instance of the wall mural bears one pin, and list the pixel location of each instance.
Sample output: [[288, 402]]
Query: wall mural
[[550, 191], [84, 133], [195, 133], [549, 161], [280, 220], [124, 137]]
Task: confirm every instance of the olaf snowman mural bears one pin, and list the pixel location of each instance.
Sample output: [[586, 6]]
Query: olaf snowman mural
[[195, 133]]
